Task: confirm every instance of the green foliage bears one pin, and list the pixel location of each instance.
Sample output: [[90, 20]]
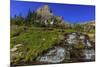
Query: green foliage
[[28, 20], [17, 20], [70, 30], [17, 30], [34, 19], [79, 27], [36, 40], [37, 37], [79, 45]]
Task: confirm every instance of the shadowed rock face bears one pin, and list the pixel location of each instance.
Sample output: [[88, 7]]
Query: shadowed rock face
[[76, 44]]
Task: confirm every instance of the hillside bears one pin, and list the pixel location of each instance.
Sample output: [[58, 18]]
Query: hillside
[[43, 38]]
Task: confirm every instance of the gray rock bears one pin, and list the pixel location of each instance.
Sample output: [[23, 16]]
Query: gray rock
[[18, 45], [55, 55], [13, 49], [72, 39], [89, 54], [16, 53]]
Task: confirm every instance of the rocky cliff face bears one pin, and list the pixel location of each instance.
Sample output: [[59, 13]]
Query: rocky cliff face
[[44, 11], [47, 17]]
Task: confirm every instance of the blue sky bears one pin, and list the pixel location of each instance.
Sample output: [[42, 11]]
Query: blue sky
[[70, 12]]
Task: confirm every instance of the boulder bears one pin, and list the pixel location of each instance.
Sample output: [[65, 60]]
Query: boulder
[[54, 55]]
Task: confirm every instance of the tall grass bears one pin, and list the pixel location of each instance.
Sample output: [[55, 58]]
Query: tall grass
[[36, 40]]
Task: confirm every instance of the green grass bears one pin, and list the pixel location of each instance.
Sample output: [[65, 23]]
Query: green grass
[[36, 40], [70, 30]]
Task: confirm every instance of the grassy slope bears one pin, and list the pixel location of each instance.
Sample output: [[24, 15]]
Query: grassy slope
[[35, 39]]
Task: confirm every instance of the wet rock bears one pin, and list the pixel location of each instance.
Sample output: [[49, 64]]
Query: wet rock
[[55, 55], [89, 54], [72, 39], [76, 47]]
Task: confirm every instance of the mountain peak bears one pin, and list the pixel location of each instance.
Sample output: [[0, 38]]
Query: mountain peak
[[44, 10]]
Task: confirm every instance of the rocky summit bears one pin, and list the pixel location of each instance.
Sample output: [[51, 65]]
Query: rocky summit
[[44, 11], [47, 17]]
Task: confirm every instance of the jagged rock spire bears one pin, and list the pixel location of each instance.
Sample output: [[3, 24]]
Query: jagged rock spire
[[47, 17], [44, 11]]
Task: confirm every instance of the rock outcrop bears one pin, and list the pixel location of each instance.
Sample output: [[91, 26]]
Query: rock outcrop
[[55, 55], [17, 53], [77, 47], [44, 11], [47, 18]]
